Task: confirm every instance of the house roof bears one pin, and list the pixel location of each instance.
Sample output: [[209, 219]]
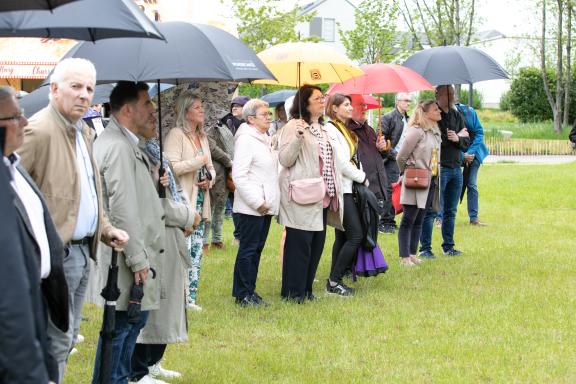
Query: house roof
[[307, 8]]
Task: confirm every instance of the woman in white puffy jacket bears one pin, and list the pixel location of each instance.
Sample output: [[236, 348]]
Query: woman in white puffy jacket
[[346, 243], [256, 199]]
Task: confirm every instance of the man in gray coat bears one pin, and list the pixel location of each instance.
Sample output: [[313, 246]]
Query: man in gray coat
[[132, 203]]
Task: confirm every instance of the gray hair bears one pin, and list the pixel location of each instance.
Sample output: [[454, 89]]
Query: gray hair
[[6, 92], [251, 107], [181, 105], [72, 64], [403, 95]]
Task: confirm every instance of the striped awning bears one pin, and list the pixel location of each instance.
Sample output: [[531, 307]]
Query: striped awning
[[28, 58]]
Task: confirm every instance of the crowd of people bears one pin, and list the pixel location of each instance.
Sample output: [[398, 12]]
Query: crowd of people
[[318, 164]]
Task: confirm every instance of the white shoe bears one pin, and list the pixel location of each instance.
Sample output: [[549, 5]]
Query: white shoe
[[156, 370], [73, 351], [79, 339], [194, 307], [150, 380]]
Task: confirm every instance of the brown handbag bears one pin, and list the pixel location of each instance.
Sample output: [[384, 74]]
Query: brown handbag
[[230, 183], [416, 178]]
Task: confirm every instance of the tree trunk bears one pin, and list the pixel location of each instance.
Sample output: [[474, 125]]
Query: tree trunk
[[551, 100], [568, 82], [559, 71]]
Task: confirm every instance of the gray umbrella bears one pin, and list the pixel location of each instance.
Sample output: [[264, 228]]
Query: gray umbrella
[[19, 5], [35, 101], [455, 65], [191, 52], [278, 97], [88, 20]]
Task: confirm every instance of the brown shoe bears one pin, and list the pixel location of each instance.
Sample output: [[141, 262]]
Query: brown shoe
[[478, 223], [219, 245], [205, 249]]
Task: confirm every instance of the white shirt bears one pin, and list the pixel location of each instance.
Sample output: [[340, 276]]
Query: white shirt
[[35, 212]]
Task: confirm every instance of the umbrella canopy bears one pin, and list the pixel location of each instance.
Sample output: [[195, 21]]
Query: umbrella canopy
[[20, 5], [278, 97], [88, 20], [455, 65], [191, 52], [371, 102], [35, 101], [294, 64], [382, 78]]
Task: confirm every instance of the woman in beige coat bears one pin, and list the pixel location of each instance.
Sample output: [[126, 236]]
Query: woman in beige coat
[[306, 152], [187, 149], [421, 149]]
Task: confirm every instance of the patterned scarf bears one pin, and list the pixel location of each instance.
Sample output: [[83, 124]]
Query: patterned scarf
[[326, 155], [153, 150]]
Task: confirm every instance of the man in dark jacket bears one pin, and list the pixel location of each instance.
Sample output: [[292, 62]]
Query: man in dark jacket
[[42, 249], [455, 140], [369, 149], [393, 124], [572, 136]]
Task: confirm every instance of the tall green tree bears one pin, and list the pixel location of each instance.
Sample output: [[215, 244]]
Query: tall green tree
[[262, 24], [375, 37], [440, 22]]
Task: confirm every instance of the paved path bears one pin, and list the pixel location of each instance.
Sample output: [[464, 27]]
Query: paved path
[[530, 159]]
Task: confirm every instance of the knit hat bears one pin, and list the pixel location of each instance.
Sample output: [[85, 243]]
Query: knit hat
[[240, 100]]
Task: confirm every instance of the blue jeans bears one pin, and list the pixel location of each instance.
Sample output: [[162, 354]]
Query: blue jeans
[[253, 234], [472, 192], [450, 188], [122, 348]]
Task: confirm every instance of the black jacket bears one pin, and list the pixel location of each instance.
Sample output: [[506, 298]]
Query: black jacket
[[370, 157], [572, 135], [392, 127], [23, 345], [367, 205], [232, 122], [450, 153]]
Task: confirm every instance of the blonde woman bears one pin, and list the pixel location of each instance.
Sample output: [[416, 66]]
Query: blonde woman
[[421, 149], [187, 149]]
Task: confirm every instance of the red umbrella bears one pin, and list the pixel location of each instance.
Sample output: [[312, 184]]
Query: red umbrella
[[371, 102], [382, 78]]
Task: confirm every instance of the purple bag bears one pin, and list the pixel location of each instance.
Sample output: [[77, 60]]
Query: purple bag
[[369, 263]]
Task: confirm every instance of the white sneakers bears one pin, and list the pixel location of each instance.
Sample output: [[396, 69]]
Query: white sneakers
[[156, 370], [194, 307], [150, 380]]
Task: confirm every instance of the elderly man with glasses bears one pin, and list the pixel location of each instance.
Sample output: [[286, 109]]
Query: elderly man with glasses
[[393, 124]]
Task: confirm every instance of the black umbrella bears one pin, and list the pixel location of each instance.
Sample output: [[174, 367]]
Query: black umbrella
[[455, 65], [191, 52], [88, 20], [19, 5], [278, 97], [35, 101], [110, 293]]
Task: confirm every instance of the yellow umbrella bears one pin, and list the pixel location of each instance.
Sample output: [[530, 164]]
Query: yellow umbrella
[[294, 64]]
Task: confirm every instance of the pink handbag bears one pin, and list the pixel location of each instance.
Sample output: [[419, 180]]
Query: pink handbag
[[307, 191]]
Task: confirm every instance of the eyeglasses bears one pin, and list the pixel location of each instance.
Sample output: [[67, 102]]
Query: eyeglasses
[[322, 97], [17, 117], [406, 100], [263, 115]]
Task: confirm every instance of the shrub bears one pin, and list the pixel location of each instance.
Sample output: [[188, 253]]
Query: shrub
[[505, 101], [477, 98], [528, 100]]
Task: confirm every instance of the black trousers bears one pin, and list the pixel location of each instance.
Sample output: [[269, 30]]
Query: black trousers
[[411, 225], [253, 234], [302, 253], [346, 242], [144, 356]]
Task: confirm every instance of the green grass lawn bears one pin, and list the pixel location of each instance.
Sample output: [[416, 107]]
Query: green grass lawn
[[494, 120], [504, 312]]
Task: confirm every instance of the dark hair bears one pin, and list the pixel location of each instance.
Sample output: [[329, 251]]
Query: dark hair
[[300, 104], [279, 106], [337, 100], [125, 92]]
